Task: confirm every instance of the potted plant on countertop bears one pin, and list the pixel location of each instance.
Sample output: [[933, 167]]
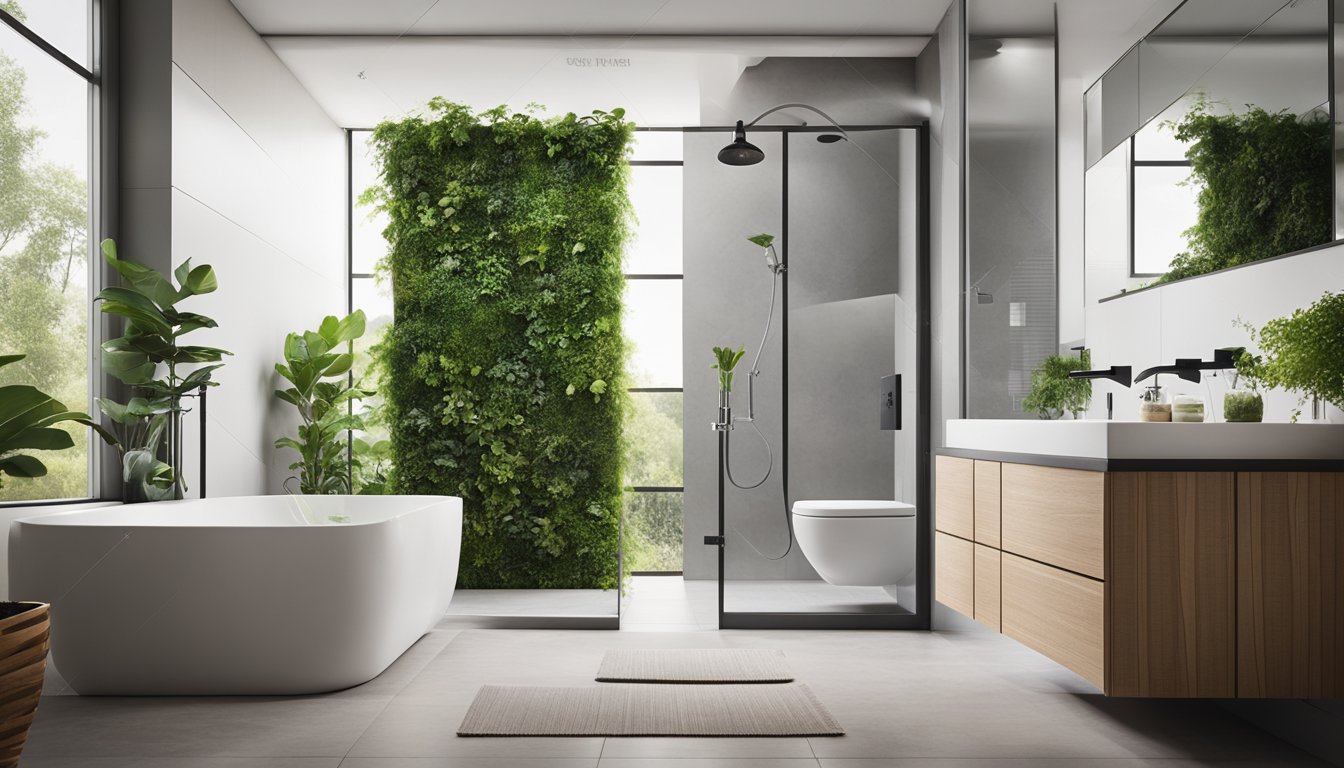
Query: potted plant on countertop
[[1242, 401], [151, 342], [1302, 353], [316, 366], [1053, 393], [28, 419]]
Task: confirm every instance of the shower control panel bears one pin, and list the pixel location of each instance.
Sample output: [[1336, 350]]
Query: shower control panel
[[891, 401]]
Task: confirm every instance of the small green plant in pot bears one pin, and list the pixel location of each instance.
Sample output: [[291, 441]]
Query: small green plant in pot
[[1302, 353], [1053, 393], [151, 343], [317, 364], [1242, 402]]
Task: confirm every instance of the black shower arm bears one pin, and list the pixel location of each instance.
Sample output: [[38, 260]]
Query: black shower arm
[[808, 107]]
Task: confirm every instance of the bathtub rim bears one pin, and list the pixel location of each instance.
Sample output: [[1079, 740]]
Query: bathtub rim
[[52, 519]]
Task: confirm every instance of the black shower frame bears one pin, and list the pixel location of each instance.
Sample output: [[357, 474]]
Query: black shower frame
[[921, 617]]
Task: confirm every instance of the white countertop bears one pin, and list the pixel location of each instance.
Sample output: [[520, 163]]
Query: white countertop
[[1140, 440]]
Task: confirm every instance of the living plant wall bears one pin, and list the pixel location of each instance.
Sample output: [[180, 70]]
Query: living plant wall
[[1265, 182], [503, 372]]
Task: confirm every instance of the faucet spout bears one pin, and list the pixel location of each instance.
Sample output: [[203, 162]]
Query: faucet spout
[[1120, 374]]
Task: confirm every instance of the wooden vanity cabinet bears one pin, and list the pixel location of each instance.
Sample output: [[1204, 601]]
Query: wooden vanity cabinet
[[1208, 584]]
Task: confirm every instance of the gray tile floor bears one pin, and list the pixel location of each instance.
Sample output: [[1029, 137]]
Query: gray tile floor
[[907, 699]]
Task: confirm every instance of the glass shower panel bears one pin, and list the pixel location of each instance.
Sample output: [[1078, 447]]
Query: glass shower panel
[[845, 216]]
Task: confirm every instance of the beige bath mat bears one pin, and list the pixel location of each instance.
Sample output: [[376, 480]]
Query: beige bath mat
[[694, 665], [648, 710]]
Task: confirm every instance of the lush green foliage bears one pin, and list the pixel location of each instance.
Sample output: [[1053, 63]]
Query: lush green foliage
[[150, 347], [43, 291], [653, 449], [312, 359], [1266, 187], [1302, 353], [503, 373], [27, 416], [1053, 393], [725, 360]]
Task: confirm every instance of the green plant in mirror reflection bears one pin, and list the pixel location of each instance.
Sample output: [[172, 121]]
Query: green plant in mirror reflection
[[1265, 186]]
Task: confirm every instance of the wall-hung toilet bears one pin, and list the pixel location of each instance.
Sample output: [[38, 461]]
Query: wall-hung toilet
[[857, 543]]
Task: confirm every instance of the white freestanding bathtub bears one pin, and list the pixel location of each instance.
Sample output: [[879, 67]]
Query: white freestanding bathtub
[[243, 595]]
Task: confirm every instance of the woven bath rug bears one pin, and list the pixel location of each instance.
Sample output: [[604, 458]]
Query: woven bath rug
[[694, 665], [648, 710]]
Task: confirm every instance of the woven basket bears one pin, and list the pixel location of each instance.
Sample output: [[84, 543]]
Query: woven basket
[[23, 660]]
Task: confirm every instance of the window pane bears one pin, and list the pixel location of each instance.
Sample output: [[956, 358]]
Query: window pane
[[1164, 207], [62, 23], [653, 328], [44, 243], [653, 440], [655, 193], [656, 145], [367, 246], [653, 531]]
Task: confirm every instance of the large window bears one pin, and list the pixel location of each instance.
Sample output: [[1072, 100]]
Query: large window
[[654, 480], [1163, 202], [48, 135]]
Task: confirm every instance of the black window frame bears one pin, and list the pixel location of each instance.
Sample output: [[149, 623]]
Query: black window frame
[[1134, 164]]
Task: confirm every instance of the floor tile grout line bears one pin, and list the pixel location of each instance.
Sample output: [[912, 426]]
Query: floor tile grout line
[[395, 694]]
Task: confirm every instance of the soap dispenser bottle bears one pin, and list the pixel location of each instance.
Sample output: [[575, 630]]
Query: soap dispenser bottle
[[1154, 406]]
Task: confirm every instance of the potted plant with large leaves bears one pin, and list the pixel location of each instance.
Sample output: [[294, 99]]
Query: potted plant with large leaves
[[28, 421], [316, 366], [151, 358]]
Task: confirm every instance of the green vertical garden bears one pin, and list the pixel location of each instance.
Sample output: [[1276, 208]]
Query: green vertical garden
[[503, 373]]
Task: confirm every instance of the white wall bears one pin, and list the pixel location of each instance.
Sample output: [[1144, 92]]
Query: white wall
[[258, 191]]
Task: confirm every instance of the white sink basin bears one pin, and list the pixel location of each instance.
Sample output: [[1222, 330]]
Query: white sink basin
[[1139, 440]]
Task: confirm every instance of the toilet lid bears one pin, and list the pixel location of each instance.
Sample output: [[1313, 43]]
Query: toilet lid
[[853, 508]]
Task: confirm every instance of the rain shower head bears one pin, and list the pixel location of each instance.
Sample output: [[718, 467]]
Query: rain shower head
[[741, 151]]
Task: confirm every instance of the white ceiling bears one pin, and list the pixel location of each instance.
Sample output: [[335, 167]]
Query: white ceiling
[[593, 17]]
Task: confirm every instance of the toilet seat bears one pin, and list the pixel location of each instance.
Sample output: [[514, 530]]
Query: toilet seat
[[853, 508]]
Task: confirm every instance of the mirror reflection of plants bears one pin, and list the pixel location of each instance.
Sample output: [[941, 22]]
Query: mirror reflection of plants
[[1302, 353], [317, 364], [152, 343], [28, 421], [726, 359], [1053, 393], [1265, 181]]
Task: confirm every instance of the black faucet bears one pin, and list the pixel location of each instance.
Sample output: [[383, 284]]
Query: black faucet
[[1189, 368], [1120, 374]]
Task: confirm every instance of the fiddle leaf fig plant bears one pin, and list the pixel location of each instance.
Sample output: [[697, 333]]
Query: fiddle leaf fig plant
[[150, 356], [727, 359], [28, 419], [315, 364]]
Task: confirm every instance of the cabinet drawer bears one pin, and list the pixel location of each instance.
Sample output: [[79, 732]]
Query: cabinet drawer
[[1057, 516], [987, 586], [987, 502], [1056, 613], [954, 485], [954, 573]]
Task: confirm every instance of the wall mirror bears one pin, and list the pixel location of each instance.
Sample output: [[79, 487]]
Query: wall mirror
[[1209, 144]]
